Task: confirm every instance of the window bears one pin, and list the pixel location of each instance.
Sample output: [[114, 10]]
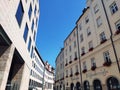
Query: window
[[75, 54], [19, 13], [117, 24], [86, 19], [81, 37], [66, 61], [69, 39], [106, 56], [70, 58], [99, 21], [30, 11], [70, 48], [93, 62], [76, 68], [31, 52], [71, 71], [80, 27], [29, 44], [35, 10], [96, 9], [83, 49], [34, 35], [90, 44], [66, 52], [66, 72], [102, 36], [32, 25], [74, 34], [25, 33], [84, 65], [88, 31], [113, 8], [74, 44]]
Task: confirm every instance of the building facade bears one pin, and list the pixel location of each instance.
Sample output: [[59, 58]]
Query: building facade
[[59, 76], [48, 82], [97, 50]]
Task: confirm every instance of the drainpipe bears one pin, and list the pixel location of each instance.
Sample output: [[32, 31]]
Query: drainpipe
[[111, 36], [79, 58]]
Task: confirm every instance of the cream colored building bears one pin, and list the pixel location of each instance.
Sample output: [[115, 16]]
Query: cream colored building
[[59, 74], [18, 29], [98, 48]]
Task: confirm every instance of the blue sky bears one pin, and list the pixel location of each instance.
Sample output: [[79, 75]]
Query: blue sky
[[57, 20]]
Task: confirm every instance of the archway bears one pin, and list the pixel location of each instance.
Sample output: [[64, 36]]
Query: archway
[[97, 85], [86, 85], [72, 86], [113, 84], [78, 86]]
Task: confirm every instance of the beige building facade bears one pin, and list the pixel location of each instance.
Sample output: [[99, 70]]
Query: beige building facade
[[59, 75], [98, 48]]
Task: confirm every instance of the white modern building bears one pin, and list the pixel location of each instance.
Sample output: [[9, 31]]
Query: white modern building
[[37, 71], [18, 28]]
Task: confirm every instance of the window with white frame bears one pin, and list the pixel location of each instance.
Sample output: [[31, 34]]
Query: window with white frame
[[88, 31], [84, 65], [80, 27], [106, 56], [113, 8], [102, 36], [74, 44], [86, 19], [90, 44], [93, 62], [71, 58], [81, 37], [66, 72], [71, 71], [75, 54], [99, 21], [76, 68], [117, 24], [83, 49], [70, 48], [96, 9]]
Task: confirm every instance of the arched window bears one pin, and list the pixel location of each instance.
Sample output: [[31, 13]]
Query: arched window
[[113, 84], [72, 86], [78, 86], [86, 85], [97, 85]]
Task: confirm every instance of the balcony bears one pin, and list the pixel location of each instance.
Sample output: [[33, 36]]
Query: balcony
[[103, 41], [91, 49], [77, 73], [117, 32], [107, 63], [84, 71]]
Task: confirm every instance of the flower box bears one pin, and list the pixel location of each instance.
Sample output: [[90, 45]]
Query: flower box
[[71, 75], [77, 73], [90, 49], [66, 64], [103, 41], [117, 32], [84, 71], [107, 63], [93, 68], [82, 54], [66, 76], [70, 62], [75, 58]]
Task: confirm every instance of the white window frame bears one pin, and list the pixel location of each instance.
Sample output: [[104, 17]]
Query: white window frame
[[113, 8], [106, 56], [96, 9], [102, 36], [117, 24], [99, 21]]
